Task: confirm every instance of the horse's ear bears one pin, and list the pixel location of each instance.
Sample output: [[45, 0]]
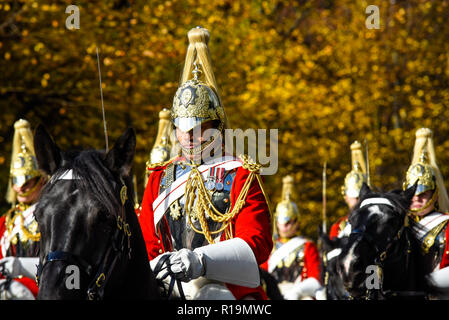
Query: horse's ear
[[120, 157], [364, 190], [48, 155], [410, 192]]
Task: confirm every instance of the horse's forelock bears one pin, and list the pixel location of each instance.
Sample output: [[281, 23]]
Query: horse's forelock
[[91, 177]]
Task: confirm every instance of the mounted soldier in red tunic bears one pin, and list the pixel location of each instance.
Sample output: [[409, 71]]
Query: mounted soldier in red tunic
[[204, 215], [295, 261], [430, 207], [19, 234]]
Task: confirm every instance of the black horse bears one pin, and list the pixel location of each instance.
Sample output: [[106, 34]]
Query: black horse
[[333, 283], [382, 259], [91, 243]]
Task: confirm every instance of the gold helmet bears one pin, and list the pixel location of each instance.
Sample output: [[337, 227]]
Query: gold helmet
[[355, 178], [197, 100], [424, 170], [286, 210], [161, 148], [23, 160]]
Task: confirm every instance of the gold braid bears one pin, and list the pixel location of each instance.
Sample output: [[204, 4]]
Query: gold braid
[[150, 166], [11, 217], [204, 206]]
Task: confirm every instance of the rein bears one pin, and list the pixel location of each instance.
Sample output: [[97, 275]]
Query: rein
[[383, 254], [164, 260], [120, 244]]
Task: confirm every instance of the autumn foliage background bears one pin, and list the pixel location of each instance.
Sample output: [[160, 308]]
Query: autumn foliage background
[[308, 68]]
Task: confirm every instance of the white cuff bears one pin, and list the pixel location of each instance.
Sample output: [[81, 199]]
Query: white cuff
[[440, 278], [231, 261], [307, 287], [28, 266]]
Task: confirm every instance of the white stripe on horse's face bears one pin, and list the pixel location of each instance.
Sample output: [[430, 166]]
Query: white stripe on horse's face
[[375, 210], [349, 258]]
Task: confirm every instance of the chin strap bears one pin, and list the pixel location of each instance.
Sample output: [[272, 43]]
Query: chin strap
[[230, 261]]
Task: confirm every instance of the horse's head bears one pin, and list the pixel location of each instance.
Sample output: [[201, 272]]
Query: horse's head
[[376, 223], [78, 213]]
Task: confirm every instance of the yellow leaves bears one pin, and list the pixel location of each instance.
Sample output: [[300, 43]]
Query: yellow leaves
[[91, 48], [400, 15], [120, 53], [107, 61], [39, 46], [44, 80], [148, 53]]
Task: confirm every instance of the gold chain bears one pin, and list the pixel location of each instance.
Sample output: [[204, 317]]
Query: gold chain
[[195, 185], [18, 213]]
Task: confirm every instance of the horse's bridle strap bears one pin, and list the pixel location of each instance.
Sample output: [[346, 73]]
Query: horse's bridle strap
[[382, 255], [118, 240], [371, 201], [67, 256]]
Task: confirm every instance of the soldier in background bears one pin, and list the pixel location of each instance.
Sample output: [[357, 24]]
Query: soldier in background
[[341, 229], [162, 148], [429, 208], [295, 261], [19, 234]]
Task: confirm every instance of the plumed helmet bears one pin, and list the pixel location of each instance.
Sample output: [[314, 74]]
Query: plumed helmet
[[286, 209], [422, 173], [355, 178], [161, 148], [424, 169], [23, 159], [197, 99]]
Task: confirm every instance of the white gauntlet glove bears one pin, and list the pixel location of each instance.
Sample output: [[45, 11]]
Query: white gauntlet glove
[[440, 278], [187, 264], [22, 266], [231, 261], [306, 288]]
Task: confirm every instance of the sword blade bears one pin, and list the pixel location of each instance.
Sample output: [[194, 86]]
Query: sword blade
[[102, 103]]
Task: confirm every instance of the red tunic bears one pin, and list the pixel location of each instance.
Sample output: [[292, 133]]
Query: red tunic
[[335, 229], [312, 262], [252, 223], [445, 259], [27, 282]]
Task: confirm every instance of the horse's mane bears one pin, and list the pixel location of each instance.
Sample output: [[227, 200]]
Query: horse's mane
[[91, 177]]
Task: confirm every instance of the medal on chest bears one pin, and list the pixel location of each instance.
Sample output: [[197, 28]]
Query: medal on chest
[[175, 210]]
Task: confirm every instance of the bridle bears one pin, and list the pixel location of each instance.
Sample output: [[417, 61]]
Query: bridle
[[120, 245], [383, 253]]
